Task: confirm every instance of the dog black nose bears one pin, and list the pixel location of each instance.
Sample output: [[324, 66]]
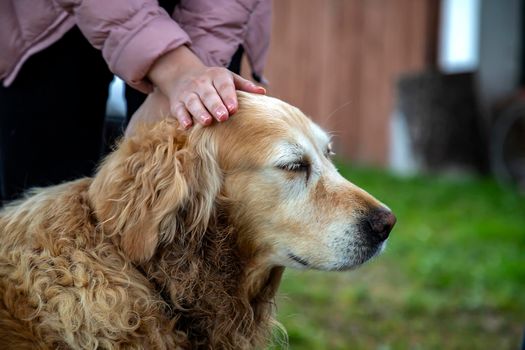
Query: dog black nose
[[381, 221]]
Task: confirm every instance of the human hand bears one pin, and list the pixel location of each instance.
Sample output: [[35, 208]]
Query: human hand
[[197, 92]]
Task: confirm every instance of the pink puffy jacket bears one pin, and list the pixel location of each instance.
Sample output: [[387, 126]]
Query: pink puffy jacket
[[132, 34]]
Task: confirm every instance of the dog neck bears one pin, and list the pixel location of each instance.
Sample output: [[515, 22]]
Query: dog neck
[[219, 298]]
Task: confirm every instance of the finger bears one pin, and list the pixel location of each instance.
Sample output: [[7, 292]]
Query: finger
[[226, 90], [197, 110], [246, 85], [180, 112], [213, 102]]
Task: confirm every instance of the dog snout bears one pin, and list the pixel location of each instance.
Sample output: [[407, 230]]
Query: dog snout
[[380, 222]]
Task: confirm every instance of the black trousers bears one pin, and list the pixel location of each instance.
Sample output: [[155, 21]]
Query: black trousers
[[52, 118]]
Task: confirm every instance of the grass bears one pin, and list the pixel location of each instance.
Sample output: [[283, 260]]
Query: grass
[[452, 277]]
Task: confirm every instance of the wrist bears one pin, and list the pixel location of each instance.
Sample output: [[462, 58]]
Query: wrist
[[172, 64]]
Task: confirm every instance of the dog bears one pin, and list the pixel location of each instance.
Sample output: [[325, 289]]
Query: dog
[[180, 239]]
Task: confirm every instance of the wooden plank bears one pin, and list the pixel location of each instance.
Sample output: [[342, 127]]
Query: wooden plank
[[338, 61]]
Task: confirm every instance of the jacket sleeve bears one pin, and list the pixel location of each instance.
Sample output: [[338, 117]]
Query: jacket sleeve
[[217, 28], [132, 34]]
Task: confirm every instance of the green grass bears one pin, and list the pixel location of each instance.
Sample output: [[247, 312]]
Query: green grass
[[452, 276]]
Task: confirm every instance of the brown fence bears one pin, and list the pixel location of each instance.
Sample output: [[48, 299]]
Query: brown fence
[[338, 61]]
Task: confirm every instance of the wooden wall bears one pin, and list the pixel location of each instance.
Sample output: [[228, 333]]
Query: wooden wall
[[338, 60]]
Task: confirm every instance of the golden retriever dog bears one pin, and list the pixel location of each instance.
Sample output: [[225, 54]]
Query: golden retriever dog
[[180, 239]]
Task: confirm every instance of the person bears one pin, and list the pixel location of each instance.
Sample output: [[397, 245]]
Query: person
[[55, 79]]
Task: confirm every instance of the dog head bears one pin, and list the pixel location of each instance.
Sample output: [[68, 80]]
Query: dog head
[[268, 168]]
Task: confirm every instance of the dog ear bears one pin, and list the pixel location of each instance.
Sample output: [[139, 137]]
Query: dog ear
[[150, 179]]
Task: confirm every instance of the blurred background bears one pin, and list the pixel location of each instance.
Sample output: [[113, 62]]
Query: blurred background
[[425, 104]]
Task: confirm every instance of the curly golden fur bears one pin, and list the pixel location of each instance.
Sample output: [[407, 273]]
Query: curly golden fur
[[179, 241]]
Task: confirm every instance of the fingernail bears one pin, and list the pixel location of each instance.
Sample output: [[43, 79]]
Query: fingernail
[[186, 123], [231, 106], [206, 119], [221, 114]]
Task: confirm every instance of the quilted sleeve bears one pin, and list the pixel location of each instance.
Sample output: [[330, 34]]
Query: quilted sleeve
[[132, 34]]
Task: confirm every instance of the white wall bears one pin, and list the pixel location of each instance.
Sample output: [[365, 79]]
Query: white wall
[[459, 36]]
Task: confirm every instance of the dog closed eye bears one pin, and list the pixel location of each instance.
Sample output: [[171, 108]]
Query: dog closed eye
[[295, 166]]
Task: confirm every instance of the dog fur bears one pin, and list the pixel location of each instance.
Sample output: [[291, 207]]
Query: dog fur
[[180, 239]]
